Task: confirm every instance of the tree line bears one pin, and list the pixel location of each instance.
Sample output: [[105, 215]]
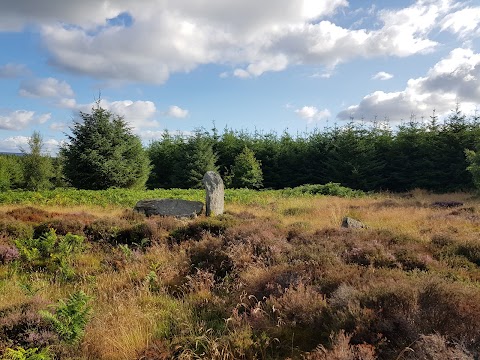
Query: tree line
[[103, 152]]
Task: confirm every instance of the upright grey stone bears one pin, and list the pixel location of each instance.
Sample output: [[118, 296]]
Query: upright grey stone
[[351, 223], [215, 199], [169, 207]]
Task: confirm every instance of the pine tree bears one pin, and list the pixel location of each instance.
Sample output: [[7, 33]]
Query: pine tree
[[194, 161], [102, 152], [246, 171], [37, 167]]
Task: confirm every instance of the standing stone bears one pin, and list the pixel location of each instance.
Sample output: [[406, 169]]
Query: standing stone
[[215, 193]]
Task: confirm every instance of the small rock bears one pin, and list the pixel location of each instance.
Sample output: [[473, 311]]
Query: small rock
[[215, 198], [447, 204], [351, 223], [169, 207]]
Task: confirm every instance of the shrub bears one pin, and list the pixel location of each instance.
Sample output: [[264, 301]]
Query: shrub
[[139, 234], [70, 317], [8, 254], [27, 354], [50, 252], [197, 229], [209, 255], [22, 326], [470, 250], [435, 347], [342, 349], [15, 229], [330, 189], [29, 214], [61, 227], [106, 230]]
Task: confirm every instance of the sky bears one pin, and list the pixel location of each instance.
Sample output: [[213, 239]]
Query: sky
[[270, 65]]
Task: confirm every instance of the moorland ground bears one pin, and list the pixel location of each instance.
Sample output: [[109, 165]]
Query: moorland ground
[[275, 277]]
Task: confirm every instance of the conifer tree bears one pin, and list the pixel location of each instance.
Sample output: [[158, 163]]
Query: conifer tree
[[102, 152], [37, 167], [246, 171]]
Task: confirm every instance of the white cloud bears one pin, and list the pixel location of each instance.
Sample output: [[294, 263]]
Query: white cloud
[[453, 79], [464, 22], [382, 75], [21, 119], [15, 144], [311, 113], [242, 74], [58, 126], [138, 114], [177, 112], [44, 88], [11, 70], [167, 37]]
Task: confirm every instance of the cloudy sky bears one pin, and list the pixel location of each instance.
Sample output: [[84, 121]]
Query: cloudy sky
[[278, 65]]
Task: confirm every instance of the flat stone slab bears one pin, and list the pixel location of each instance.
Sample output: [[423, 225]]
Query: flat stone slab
[[351, 223], [169, 207]]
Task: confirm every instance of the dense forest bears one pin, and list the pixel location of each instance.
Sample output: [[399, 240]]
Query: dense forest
[[417, 154], [428, 155]]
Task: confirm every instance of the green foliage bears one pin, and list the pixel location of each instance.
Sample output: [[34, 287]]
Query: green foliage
[[103, 153], [27, 354], [330, 189], [473, 158], [37, 168], [246, 171], [70, 317], [11, 172], [415, 155], [50, 252]]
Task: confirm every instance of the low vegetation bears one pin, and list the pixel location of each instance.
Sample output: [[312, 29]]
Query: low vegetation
[[275, 277]]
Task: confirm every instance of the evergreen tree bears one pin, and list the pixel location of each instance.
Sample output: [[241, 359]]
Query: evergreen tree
[[37, 167], [164, 154], [102, 153], [194, 161], [11, 172], [246, 171]]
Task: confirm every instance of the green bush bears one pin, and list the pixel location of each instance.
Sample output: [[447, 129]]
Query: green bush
[[70, 317], [330, 189], [27, 354], [50, 252]]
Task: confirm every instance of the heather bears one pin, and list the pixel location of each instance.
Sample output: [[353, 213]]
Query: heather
[[276, 278]]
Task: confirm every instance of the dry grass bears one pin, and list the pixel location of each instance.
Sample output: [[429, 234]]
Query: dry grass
[[270, 281]]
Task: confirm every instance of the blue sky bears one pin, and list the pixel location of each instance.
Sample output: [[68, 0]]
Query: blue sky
[[281, 65]]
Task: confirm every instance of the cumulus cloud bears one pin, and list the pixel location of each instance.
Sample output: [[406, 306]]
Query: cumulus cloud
[[382, 75], [453, 79], [45, 88], [165, 37], [177, 112], [311, 113], [58, 126], [15, 144], [138, 114], [464, 22], [12, 70], [21, 119]]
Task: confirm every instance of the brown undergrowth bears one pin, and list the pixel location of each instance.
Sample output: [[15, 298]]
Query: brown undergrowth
[[276, 281]]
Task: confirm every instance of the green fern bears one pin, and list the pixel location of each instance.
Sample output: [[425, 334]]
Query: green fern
[[70, 317], [27, 354]]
